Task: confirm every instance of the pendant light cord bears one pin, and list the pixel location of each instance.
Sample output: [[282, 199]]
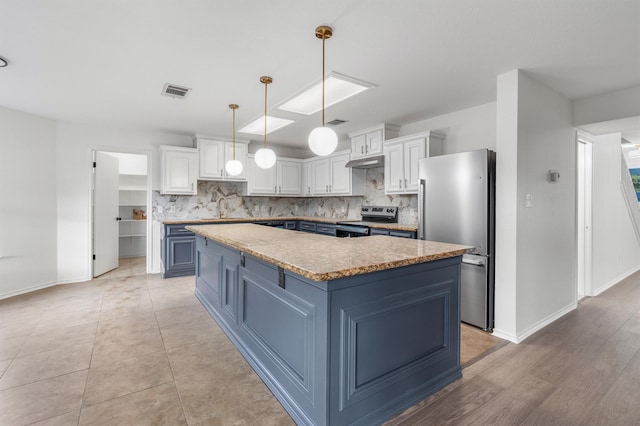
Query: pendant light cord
[[234, 134], [265, 114], [323, 38]]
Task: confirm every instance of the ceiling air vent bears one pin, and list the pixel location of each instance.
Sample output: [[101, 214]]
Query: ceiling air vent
[[175, 91], [336, 122]]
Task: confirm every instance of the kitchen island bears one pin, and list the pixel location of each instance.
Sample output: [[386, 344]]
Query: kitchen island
[[342, 331]]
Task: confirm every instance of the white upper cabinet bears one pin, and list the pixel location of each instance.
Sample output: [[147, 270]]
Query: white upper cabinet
[[321, 176], [178, 170], [401, 157], [289, 177], [307, 178], [213, 156], [329, 176], [369, 142], [284, 178]]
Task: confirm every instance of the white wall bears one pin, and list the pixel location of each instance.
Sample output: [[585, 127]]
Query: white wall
[[28, 207], [539, 275], [75, 143], [616, 105], [616, 252], [466, 130]]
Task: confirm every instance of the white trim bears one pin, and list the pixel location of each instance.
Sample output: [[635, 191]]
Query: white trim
[[504, 335], [28, 290], [616, 280], [520, 337]]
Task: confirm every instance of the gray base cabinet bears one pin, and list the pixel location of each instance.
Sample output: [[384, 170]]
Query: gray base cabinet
[[178, 251], [355, 350]]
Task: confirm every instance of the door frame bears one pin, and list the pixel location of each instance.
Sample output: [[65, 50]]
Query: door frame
[[149, 225], [584, 214]]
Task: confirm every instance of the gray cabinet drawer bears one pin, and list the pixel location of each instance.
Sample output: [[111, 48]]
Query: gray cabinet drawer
[[307, 226], [325, 229]]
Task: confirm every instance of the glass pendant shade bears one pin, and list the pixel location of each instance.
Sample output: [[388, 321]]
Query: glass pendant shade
[[265, 158], [323, 140], [233, 167]]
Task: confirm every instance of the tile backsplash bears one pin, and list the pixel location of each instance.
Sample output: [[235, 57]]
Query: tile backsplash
[[225, 199]]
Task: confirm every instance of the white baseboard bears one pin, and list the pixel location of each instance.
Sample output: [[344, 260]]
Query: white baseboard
[[28, 290], [615, 281], [520, 337]]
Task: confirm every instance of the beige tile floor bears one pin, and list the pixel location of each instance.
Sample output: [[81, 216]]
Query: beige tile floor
[[129, 350], [135, 350]]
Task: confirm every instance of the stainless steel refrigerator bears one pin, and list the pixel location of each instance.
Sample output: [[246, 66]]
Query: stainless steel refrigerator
[[456, 204]]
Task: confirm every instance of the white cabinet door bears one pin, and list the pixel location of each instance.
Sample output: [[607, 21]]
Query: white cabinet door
[[178, 170], [211, 155], [307, 174], [413, 151], [261, 181], [241, 155], [358, 146], [394, 168], [374, 142], [321, 176], [289, 177], [340, 175]]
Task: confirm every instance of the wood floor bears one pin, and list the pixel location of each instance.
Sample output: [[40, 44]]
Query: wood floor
[[581, 370]]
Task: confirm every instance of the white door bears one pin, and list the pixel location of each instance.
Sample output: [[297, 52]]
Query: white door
[[261, 181], [394, 168], [105, 214], [413, 151], [321, 171], [211, 155], [340, 175], [374, 142], [289, 177]]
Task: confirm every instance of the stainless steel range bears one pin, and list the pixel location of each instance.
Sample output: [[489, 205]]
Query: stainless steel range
[[369, 214]]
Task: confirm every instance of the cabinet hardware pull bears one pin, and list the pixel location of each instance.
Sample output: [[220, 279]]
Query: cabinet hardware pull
[[405, 182], [309, 189], [221, 172], [399, 183], [362, 150]]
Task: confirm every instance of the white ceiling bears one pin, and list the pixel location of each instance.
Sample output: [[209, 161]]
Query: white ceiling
[[105, 62]]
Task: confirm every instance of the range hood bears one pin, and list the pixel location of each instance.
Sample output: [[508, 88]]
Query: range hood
[[366, 163]]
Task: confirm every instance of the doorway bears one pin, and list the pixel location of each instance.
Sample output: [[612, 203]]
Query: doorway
[[584, 215], [121, 198]]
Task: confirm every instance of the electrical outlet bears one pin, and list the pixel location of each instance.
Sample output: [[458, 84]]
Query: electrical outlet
[[412, 212], [172, 209], [159, 209], [263, 208], [528, 200]]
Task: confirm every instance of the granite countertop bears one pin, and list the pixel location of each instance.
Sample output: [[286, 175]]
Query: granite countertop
[[393, 226], [325, 258]]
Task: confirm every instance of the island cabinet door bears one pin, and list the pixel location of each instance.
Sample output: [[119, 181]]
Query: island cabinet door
[[283, 324], [392, 338], [209, 269]]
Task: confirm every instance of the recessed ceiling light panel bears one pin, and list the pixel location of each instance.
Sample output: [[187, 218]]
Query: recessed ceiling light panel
[[338, 87], [256, 127]]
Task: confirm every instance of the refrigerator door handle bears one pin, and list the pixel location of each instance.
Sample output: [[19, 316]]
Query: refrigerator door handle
[[421, 186], [473, 262]]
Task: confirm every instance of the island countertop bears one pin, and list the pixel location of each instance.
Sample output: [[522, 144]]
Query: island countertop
[[325, 258]]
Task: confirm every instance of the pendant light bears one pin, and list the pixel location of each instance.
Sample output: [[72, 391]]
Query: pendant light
[[234, 167], [323, 140], [265, 157]]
